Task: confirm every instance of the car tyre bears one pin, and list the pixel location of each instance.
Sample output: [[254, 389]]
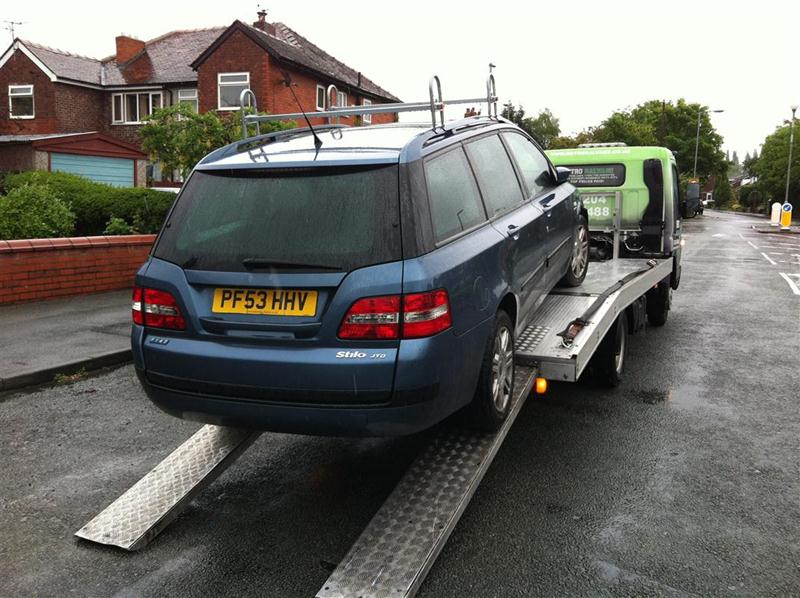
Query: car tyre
[[659, 302], [579, 262], [495, 391], [608, 364]]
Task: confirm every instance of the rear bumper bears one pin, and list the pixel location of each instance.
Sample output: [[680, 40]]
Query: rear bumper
[[394, 419]]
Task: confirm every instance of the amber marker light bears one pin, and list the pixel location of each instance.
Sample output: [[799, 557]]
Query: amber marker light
[[541, 386]]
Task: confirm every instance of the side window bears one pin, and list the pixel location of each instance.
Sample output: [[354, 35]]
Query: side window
[[531, 162], [495, 173], [452, 194]]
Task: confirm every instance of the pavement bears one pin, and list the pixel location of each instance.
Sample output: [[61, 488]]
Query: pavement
[[43, 339], [682, 481]]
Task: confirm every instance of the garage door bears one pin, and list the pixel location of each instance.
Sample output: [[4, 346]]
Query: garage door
[[112, 171]]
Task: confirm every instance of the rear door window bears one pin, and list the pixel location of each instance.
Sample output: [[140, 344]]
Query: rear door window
[[339, 218], [496, 176], [453, 196], [531, 162]]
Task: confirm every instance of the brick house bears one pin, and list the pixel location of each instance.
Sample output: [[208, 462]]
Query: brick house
[[78, 114]]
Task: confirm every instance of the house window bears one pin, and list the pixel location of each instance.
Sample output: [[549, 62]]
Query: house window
[[188, 96], [20, 101], [320, 97], [367, 118], [229, 87], [133, 108], [341, 99]]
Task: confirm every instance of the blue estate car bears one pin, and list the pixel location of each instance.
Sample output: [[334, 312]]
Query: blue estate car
[[371, 286]]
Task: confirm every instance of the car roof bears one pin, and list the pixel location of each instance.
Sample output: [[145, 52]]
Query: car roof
[[341, 145]]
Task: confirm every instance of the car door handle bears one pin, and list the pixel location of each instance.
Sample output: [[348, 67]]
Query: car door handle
[[545, 203], [513, 231]]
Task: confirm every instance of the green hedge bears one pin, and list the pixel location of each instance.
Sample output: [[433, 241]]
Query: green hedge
[[34, 211], [95, 204]]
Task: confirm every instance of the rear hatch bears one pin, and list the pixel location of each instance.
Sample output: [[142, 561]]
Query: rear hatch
[[264, 265]]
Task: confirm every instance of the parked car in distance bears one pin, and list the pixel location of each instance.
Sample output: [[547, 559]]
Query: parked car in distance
[[372, 286]]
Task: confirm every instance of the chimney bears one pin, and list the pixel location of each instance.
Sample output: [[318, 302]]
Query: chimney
[[262, 24], [128, 47]]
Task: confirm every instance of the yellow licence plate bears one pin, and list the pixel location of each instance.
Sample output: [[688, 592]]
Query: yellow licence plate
[[266, 302]]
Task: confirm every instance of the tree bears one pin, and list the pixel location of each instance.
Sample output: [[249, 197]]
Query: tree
[[771, 166], [178, 137], [544, 127], [723, 193], [672, 125]]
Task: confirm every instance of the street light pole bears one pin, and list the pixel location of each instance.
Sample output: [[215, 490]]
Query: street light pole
[[791, 147], [697, 138]]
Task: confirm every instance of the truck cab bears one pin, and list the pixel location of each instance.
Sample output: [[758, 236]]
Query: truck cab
[[634, 191]]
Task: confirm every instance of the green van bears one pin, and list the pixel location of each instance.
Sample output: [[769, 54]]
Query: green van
[[648, 183]]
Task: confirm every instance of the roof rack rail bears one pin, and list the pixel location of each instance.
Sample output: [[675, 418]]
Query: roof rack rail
[[247, 99], [612, 144]]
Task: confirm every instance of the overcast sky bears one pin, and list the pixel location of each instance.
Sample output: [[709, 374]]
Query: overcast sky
[[582, 59]]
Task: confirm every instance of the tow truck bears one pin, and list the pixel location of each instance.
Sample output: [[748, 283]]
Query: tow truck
[[575, 329]]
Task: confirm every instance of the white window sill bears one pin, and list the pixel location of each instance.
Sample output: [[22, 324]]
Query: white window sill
[[228, 108], [130, 123], [32, 116]]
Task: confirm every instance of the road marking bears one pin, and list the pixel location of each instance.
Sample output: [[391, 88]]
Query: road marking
[[769, 259], [753, 245], [776, 253], [791, 283], [741, 236]]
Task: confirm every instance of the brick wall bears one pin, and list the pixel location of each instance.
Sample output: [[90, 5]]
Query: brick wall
[[35, 269], [78, 109], [16, 157], [20, 70]]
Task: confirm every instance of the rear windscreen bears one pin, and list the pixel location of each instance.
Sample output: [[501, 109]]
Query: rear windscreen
[[597, 175], [340, 219]]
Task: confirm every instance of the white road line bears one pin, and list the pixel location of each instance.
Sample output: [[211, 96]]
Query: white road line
[[791, 283], [741, 236], [769, 259], [753, 245]]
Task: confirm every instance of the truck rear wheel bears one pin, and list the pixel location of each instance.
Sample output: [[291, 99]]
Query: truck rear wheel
[[659, 301], [608, 363], [493, 397]]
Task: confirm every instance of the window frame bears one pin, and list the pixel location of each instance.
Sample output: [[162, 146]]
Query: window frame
[[31, 95], [221, 84], [320, 107], [481, 203], [194, 100], [366, 118], [123, 95]]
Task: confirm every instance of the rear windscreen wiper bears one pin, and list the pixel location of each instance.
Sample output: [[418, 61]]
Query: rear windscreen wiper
[[253, 263]]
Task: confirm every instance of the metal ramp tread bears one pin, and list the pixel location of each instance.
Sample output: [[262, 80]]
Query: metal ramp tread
[[139, 515], [398, 547], [539, 344]]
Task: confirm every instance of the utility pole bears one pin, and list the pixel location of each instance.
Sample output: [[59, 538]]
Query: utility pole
[[791, 147]]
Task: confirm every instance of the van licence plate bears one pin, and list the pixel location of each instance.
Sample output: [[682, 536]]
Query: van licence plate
[[266, 302]]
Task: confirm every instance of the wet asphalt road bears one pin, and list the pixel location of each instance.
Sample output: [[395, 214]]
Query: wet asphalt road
[[685, 480]]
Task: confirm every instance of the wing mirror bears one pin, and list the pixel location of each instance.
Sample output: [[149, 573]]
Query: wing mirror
[[562, 174]]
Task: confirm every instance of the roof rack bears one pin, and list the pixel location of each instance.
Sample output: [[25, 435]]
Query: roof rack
[[247, 99]]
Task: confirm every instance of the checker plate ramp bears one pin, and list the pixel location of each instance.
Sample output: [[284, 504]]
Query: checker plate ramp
[[139, 515], [397, 549]]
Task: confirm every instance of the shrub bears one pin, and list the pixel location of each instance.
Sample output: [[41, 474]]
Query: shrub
[[117, 226], [35, 211], [94, 204]]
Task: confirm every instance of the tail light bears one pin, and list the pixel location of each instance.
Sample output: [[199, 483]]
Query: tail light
[[395, 316], [426, 314], [156, 309], [372, 318]]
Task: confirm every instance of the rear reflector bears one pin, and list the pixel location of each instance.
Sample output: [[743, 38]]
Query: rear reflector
[[156, 309], [379, 318]]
